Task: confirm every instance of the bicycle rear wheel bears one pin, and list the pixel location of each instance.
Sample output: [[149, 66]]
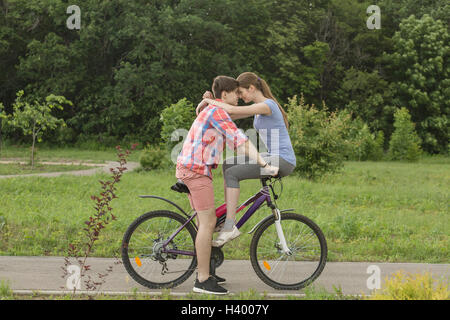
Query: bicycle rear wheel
[[143, 255], [288, 272]]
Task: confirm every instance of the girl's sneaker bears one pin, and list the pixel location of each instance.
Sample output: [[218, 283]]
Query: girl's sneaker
[[225, 237]]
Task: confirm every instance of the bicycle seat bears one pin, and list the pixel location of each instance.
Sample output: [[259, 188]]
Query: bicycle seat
[[180, 187]]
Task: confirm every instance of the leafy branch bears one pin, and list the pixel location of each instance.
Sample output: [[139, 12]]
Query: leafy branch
[[94, 226]]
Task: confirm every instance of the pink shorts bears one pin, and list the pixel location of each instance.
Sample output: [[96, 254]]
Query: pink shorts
[[200, 187]]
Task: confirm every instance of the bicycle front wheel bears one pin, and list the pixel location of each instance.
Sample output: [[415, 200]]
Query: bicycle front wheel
[[308, 255], [143, 254]]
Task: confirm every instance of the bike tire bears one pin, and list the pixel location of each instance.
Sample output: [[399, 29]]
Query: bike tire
[[125, 249], [257, 265]]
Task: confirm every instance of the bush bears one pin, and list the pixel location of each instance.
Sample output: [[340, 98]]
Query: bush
[[154, 157], [412, 287], [65, 136], [180, 115], [360, 143], [317, 138], [404, 143], [377, 151]]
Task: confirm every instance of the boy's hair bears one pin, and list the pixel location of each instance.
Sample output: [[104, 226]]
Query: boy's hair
[[223, 83]]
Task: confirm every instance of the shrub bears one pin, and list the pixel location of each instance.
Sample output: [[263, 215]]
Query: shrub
[[404, 143], [377, 151], [180, 115], [412, 287], [317, 138], [360, 143], [2, 222], [154, 157]]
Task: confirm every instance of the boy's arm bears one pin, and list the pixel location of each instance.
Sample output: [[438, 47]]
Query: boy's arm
[[203, 103], [201, 106]]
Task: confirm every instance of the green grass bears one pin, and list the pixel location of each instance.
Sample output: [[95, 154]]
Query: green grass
[[17, 168], [372, 211], [47, 154], [311, 293]]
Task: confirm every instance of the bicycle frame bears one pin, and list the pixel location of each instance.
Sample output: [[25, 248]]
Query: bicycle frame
[[258, 199]]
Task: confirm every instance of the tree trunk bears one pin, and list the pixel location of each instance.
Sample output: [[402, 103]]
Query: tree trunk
[[32, 149], [1, 137]]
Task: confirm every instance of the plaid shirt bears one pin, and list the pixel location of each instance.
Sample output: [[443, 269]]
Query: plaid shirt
[[204, 143]]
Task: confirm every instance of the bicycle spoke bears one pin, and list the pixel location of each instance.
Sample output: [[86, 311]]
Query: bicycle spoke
[[148, 261], [304, 245]]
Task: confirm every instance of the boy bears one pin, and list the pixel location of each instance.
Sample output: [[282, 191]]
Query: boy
[[201, 152]]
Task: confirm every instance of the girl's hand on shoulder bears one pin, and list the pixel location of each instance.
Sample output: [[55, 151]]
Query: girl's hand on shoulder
[[208, 95]]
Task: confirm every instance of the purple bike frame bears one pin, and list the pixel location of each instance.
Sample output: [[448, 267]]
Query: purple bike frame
[[258, 199]]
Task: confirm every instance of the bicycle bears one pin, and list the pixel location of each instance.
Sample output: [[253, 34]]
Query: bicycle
[[288, 251]]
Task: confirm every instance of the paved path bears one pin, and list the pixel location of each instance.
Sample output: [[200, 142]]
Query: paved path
[[102, 166], [45, 274]]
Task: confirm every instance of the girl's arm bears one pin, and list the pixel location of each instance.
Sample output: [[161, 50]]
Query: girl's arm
[[256, 108], [239, 116]]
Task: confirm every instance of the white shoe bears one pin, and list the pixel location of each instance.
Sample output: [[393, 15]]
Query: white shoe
[[226, 236]]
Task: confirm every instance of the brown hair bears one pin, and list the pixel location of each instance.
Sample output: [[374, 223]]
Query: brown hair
[[249, 78], [223, 83]]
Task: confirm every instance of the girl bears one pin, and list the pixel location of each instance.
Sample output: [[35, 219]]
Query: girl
[[270, 120]]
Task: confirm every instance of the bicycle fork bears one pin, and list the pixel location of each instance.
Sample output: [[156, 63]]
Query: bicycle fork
[[277, 215]]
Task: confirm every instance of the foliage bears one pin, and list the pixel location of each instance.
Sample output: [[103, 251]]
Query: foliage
[[368, 96], [407, 286], [2, 222], [34, 119], [94, 226], [420, 78], [317, 138], [177, 116], [404, 143], [154, 157], [360, 143], [131, 59]]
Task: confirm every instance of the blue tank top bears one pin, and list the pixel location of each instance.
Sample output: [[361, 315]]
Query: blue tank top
[[273, 132]]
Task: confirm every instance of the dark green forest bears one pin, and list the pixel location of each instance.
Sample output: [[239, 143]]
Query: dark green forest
[[131, 59]]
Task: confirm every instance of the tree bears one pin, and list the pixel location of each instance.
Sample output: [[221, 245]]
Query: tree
[[404, 143], [1, 127], [33, 119], [368, 96], [419, 74]]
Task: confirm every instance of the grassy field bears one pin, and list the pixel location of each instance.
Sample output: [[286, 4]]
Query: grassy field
[[17, 168], [372, 211]]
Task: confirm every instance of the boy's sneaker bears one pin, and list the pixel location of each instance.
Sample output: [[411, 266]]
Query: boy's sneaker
[[219, 279], [225, 237], [209, 286]]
